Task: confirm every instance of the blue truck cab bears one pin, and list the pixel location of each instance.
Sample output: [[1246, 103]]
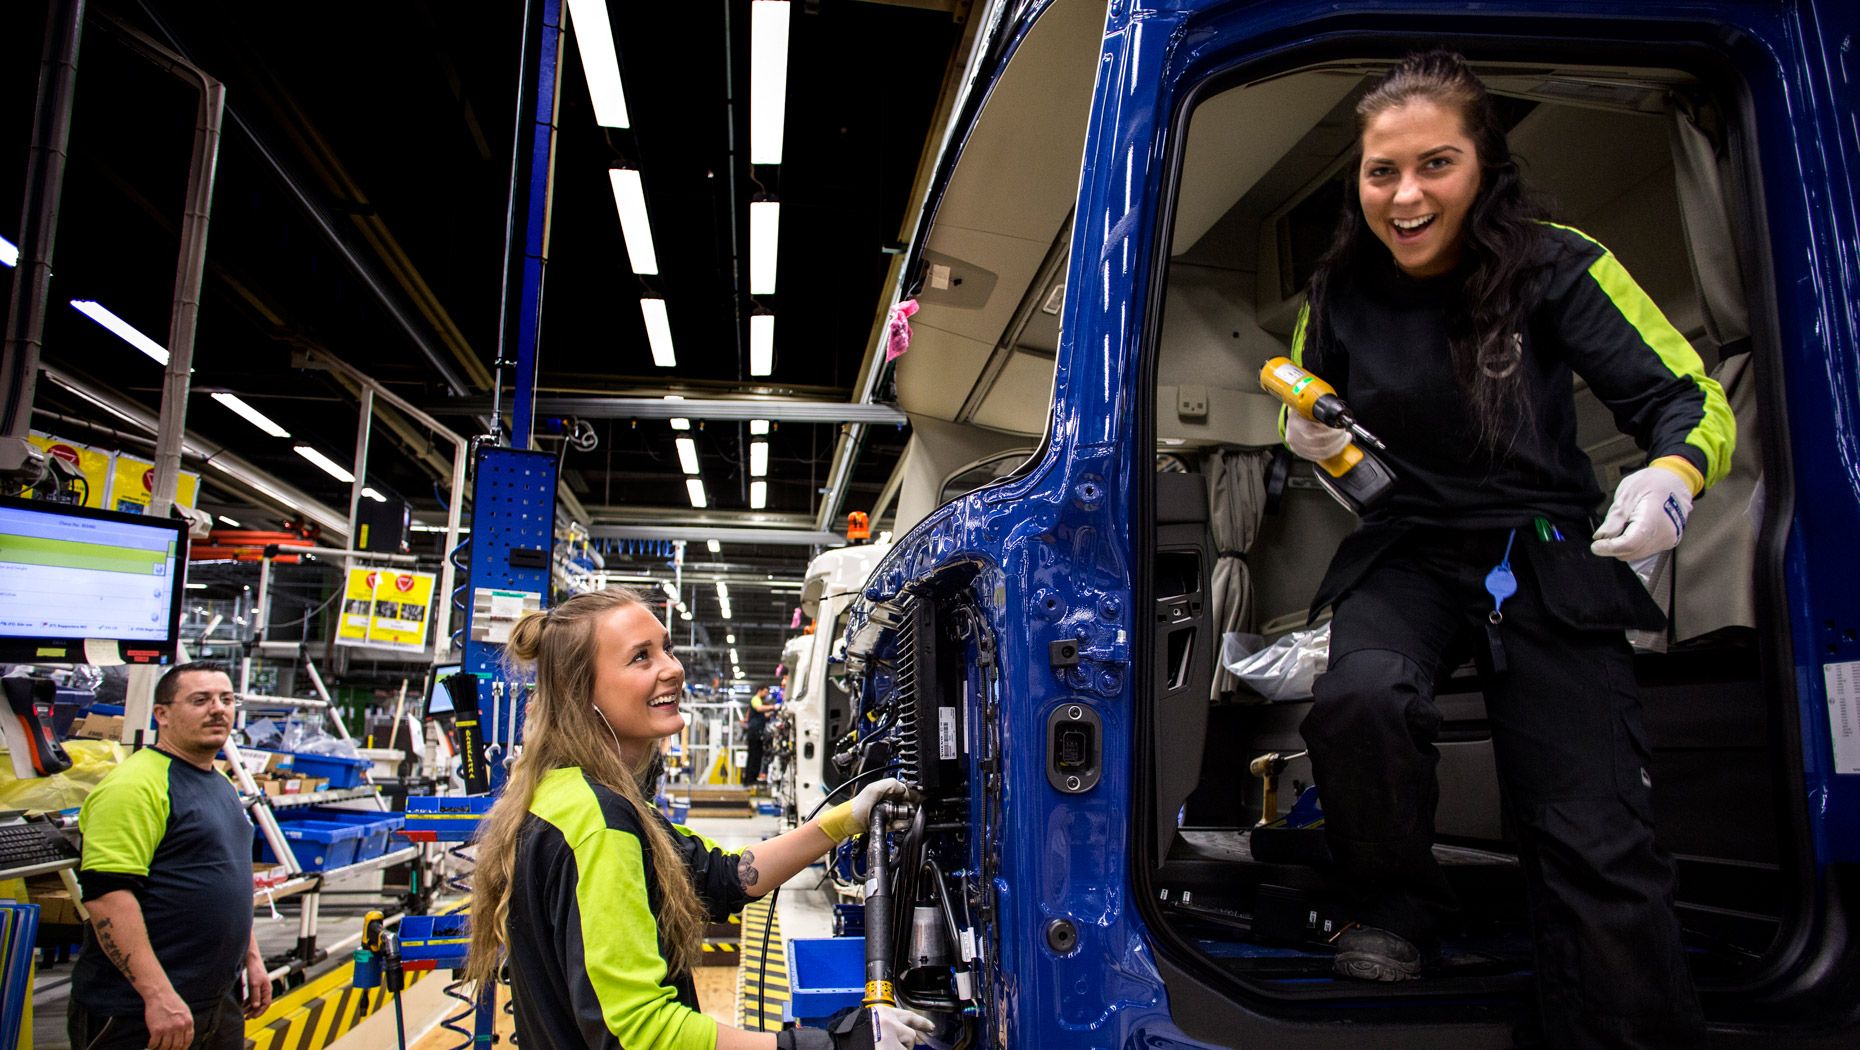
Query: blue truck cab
[[1117, 235]]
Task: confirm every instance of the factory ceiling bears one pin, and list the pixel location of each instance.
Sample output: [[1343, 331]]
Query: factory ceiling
[[361, 211]]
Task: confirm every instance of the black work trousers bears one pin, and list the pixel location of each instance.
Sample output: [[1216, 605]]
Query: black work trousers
[[1573, 770], [218, 1025], [753, 762]]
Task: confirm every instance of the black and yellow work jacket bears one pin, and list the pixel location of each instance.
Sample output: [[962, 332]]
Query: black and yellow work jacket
[[587, 964], [1385, 348]]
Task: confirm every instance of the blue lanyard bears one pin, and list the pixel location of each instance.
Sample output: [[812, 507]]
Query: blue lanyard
[[1501, 582]]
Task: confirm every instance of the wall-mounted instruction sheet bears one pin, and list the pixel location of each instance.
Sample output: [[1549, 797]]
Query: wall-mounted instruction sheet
[[385, 607], [1843, 682]]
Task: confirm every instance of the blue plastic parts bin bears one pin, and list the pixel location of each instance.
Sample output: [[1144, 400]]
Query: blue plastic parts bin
[[342, 772], [439, 940], [445, 818], [319, 845], [825, 976], [377, 828]]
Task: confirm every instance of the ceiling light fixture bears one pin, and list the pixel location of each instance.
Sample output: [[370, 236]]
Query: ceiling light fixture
[[600, 63], [678, 423], [723, 591], [9, 252], [630, 199], [758, 495], [764, 233], [251, 415], [695, 486], [729, 639], [761, 344], [758, 427], [687, 455], [715, 547], [330, 466], [123, 329], [758, 459], [768, 79], [658, 332], [231, 522], [734, 659], [373, 495]]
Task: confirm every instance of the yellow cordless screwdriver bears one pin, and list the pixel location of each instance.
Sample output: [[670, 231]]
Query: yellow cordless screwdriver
[[1355, 476]]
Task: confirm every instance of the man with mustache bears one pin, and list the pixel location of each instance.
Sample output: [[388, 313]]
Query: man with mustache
[[167, 876]]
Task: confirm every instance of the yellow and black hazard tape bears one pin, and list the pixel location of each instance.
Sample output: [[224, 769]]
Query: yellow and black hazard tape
[[318, 1012], [762, 978]]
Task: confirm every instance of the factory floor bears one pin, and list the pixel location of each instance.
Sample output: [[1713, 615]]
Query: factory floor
[[804, 910]]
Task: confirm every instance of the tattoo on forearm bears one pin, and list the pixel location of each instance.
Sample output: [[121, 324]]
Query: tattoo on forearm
[[117, 956], [746, 873]]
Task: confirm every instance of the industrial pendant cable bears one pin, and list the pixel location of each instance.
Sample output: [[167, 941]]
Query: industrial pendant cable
[[768, 919]]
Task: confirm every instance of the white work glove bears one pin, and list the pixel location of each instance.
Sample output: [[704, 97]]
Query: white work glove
[[1648, 516], [895, 1028], [877, 1028], [1313, 441], [850, 818]]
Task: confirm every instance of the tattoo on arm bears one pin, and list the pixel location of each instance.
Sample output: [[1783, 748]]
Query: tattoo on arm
[[746, 874], [116, 954]]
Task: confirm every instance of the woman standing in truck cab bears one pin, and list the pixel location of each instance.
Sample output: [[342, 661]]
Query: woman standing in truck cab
[[1451, 316]]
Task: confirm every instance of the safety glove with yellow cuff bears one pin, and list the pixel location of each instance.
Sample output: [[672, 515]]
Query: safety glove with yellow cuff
[[1650, 510], [850, 818], [864, 1028]]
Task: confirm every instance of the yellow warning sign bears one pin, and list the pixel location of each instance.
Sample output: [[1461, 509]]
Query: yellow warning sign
[[385, 607]]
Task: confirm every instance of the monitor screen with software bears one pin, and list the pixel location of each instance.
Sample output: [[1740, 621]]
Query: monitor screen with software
[[88, 586], [438, 700]]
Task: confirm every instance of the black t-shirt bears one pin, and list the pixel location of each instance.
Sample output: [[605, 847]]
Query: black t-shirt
[[177, 837], [1385, 349]]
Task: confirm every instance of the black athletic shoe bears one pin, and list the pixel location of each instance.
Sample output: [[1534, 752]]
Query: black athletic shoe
[[1365, 953]]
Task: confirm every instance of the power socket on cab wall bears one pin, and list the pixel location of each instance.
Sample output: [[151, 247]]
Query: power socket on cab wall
[[1191, 402]]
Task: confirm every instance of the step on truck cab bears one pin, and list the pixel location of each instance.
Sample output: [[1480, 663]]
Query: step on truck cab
[[1118, 236]]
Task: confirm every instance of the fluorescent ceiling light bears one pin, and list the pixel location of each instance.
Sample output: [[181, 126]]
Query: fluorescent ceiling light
[[729, 639], [758, 495], [252, 415], [695, 486], [123, 329], [761, 344], [600, 63], [373, 495], [330, 466], [630, 198], [684, 614], [758, 459], [196, 586], [658, 332], [678, 423], [715, 547], [725, 611], [231, 522], [734, 659], [9, 252], [723, 591], [687, 455], [764, 232], [758, 427], [739, 673], [768, 78]]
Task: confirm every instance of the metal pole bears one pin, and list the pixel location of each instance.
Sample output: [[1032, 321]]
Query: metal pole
[[360, 481], [448, 575], [188, 269], [38, 215], [536, 243]]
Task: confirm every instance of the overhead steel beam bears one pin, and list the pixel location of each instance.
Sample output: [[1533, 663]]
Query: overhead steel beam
[[234, 470], [720, 533], [659, 408]]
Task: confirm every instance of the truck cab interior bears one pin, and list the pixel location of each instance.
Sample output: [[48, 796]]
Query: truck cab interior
[[1235, 534]]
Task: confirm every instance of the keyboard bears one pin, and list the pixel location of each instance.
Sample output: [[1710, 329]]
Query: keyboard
[[34, 847]]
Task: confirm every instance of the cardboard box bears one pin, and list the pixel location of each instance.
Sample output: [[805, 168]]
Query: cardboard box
[[313, 784], [266, 876], [56, 907], [292, 785], [98, 727]]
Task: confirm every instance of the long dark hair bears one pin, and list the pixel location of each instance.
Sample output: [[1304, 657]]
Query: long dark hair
[[1498, 258]]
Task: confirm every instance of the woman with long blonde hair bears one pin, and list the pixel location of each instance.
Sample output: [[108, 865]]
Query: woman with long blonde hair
[[595, 901]]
